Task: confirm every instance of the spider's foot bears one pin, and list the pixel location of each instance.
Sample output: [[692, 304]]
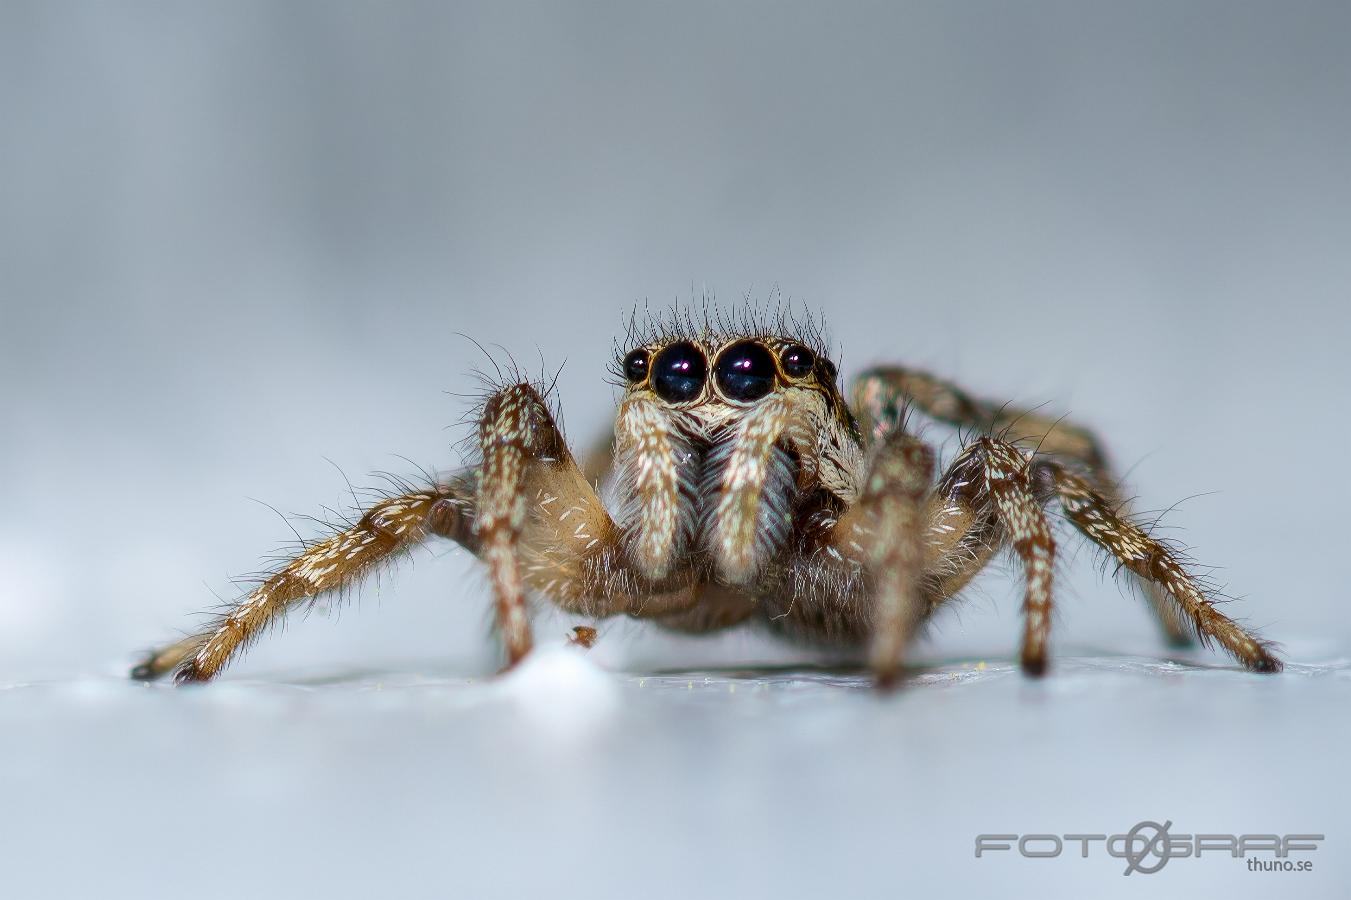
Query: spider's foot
[[514, 658], [144, 672], [153, 667], [1266, 664], [163, 660], [1034, 665], [888, 679]]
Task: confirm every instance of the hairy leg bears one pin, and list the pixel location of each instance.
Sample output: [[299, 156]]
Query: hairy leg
[[392, 525], [1024, 523], [527, 511], [541, 525], [985, 501], [539, 522], [962, 532], [880, 396], [1149, 559], [967, 526], [884, 530]]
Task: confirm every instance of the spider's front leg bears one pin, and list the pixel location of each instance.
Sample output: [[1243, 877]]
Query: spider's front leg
[[390, 526], [885, 530], [541, 526], [528, 480], [527, 511]]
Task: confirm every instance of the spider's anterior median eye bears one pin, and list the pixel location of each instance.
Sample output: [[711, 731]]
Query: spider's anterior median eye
[[745, 371], [798, 361], [636, 365], [678, 372]]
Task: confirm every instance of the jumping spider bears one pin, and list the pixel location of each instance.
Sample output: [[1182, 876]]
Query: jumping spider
[[740, 484]]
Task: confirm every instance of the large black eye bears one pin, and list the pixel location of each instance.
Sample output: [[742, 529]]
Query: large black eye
[[745, 371], [678, 372], [798, 361], [635, 365]]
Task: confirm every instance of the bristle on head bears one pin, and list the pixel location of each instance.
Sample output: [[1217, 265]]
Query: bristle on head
[[705, 321]]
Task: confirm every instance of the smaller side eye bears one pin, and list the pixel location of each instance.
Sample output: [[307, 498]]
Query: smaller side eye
[[636, 365], [798, 361]]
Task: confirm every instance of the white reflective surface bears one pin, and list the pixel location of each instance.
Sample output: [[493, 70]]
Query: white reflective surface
[[566, 779]]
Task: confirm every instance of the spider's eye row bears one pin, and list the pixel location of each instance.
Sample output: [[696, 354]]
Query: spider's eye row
[[798, 361], [678, 372], [745, 371], [636, 365]]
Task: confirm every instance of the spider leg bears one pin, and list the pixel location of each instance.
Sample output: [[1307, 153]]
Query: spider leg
[[881, 394], [1023, 521], [525, 457], [542, 527], [392, 525], [984, 501], [1147, 558], [876, 570], [963, 531], [885, 528], [986, 493], [527, 511]]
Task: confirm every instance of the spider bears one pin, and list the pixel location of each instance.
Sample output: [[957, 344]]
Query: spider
[[740, 484]]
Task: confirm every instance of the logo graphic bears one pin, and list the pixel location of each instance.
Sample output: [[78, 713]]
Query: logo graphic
[[1159, 846], [1148, 847]]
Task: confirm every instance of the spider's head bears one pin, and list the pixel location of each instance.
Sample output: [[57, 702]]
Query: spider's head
[[721, 433], [722, 377]]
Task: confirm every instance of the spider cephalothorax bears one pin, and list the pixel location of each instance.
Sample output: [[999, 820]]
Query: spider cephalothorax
[[719, 439], [740, 484]]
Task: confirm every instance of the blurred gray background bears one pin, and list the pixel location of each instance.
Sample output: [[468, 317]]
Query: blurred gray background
[[238, 240]]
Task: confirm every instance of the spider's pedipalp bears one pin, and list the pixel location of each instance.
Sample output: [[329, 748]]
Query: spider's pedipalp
[[750, 473], [656, 479]]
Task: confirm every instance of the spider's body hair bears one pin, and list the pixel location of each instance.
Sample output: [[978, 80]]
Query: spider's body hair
[[711, 325]]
